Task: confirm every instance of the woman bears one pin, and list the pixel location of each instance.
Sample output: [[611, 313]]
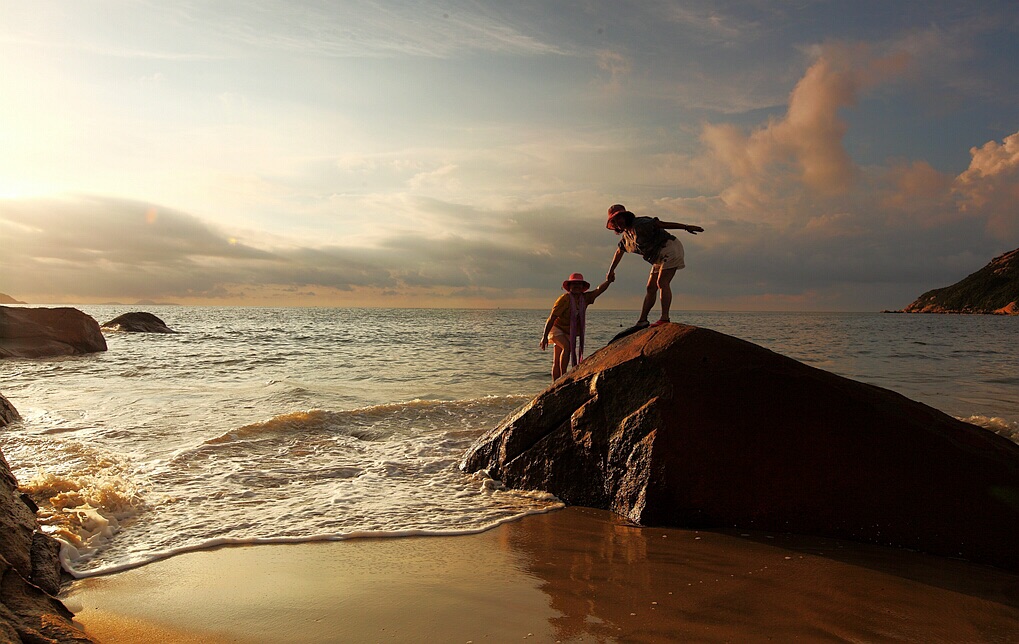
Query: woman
[[648, 237]]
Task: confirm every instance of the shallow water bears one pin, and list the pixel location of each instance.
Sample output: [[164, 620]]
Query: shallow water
[[290, 424]]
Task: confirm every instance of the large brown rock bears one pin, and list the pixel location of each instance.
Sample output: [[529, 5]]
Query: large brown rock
[[29, 573], [138, 322], [44, 332], [683, 426]]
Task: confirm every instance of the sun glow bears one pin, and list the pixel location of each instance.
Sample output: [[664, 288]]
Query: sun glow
[[17, 190]]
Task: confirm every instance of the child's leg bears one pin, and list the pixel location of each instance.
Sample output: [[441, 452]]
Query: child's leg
[[564, 361], [664, 282], [561, 355], [651, 295], [557, 361]]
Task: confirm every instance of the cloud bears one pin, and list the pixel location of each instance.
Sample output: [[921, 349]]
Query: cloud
[[804, 148], [84, 228], [708, 22], [372, 29], [792, 215], [616, 66], [96, 248], [989, 188]]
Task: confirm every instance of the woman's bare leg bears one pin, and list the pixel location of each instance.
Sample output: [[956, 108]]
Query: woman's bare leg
[[664, 283], [651, 295]]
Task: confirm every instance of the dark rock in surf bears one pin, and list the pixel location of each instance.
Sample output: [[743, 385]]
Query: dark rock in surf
[[47, 332], [683, 426], [137, 322], [8, 414], [29, 574]]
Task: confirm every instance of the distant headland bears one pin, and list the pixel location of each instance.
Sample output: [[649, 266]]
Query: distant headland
[[7, 299], [993, 289]]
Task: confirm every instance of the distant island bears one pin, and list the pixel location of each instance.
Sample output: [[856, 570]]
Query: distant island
[[7, 299], [992, 289]]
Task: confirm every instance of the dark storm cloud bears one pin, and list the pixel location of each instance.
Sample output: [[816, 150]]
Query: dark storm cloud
[[92, 247]]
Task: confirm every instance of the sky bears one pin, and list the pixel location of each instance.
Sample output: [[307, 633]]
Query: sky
[[841, 156]]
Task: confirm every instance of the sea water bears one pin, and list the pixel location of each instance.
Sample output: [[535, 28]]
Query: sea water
[[292, 424]]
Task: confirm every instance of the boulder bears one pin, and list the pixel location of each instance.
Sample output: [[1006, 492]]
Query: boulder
[[138, 322], [8, 414], [29, 573], [683, 426], [44, 332]]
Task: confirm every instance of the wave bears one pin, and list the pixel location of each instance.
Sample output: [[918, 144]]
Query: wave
[[375, 422], [85, 511], [1007, 428], [540, 503], [378, 471]]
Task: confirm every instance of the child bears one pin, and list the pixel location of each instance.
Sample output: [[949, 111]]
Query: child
[[647, 236], [565, 325]]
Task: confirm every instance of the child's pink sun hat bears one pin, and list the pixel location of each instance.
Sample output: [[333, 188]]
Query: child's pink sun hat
[[576, 277]]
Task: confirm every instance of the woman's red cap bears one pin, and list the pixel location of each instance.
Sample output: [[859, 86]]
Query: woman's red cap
[[614, 210]]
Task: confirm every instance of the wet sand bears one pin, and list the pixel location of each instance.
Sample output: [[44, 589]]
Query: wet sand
[[569, 576]]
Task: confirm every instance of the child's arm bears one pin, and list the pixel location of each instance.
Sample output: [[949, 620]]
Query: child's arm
[[593, 295], [693, 230], [544, 334]]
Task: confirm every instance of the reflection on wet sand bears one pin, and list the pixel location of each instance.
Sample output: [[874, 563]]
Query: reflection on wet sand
[[569, 576], [613, 581]]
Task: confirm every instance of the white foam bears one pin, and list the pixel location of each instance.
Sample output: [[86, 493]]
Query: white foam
[[83, 512], [380, 471], [1007, 428]]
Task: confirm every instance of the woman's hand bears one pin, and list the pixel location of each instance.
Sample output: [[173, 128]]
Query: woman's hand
[[544, 342], [693, 230]]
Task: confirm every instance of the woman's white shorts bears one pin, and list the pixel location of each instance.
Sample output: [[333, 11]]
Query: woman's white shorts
[[670, 256]]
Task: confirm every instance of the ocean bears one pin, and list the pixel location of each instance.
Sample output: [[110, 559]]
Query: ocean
[[260, 425]]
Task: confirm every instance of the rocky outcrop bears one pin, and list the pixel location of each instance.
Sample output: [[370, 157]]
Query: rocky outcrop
[[29, 573], [992, 289], [43, 332], [137, 322], [683, 426], [8, 414]]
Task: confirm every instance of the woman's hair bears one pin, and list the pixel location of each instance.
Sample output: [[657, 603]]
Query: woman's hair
[[626, 218]]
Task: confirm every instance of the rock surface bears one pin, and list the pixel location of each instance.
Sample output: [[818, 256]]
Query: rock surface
[[44, 332], [992, 289], [29, 574], [8, 414], [683, 426], [138, 322]]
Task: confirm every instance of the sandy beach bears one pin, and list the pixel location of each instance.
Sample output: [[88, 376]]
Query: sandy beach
[[572, 575]]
